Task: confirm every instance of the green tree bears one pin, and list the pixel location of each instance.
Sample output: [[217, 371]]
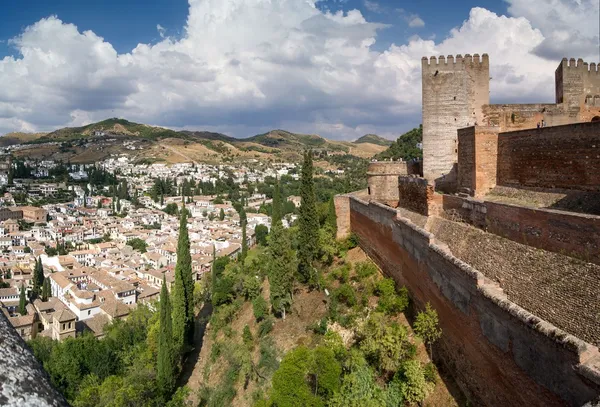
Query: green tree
[[276, 205], [261, 232], [138, 244], [22, 301], [427, 327], [290, 388], [405, 147], [222, 214], [280, 269], [325, 371], [46, 291], [308, 237], [260, 308], [331, 220], [412, 383], [244, 223], [247, 337], [171, 209], [166, 359], [183, 292], [38, 277]]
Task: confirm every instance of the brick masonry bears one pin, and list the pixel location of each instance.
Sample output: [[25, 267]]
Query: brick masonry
[[477, 159], [552, 157], [572, 234], [382, 180], [500, 354]]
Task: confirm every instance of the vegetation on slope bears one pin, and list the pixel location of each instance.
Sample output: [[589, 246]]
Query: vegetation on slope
[[374, 139], [405, 147]]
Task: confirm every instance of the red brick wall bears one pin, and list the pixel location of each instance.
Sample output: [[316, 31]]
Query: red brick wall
[[477, 159], [490, 345], [552, 157]]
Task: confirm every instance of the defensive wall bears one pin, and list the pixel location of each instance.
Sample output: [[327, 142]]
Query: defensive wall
[[456, 95], [566, 157], [499, 353], [382, 179]]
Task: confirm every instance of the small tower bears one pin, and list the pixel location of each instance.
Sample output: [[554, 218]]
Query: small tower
[[454, 91]]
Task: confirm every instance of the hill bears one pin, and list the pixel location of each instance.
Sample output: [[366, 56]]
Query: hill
[[374, 139], [405, 147], [115, 136]]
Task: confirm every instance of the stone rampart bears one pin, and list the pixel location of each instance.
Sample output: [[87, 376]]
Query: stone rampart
[[382, 180], [569, 233], [552, 157], [500, 354]]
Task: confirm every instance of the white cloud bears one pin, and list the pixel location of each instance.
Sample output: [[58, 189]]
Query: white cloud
[[416, 21], [161, 30], [373, 6], [307, 70]]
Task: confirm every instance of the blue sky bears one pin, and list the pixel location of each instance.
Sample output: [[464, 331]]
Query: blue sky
[[339, 68], [112, 19]]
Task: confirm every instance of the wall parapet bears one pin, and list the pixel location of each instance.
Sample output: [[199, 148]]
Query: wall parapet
[[489, 342]]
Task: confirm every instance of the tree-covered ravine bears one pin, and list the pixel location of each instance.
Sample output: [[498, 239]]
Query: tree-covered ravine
[[301, 319]]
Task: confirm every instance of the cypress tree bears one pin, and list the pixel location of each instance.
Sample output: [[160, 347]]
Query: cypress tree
[[308, 236], [22, 301], [38, 277], [331, 220], [46, 292], [244, 221], [222, 214], [276, 205], [166, 358], [281, 268], [183, 293]]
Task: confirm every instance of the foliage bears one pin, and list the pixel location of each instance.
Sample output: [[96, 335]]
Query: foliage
[[427, 326], [261, 232], [167, 358], [281, 269], [345, 294], [22, 301], [308, 224], [221, 215], [385, 343], [331, 219], [260, 308], [183, 292], [171, 209], [138, 244], [365, 269], [413, 386], [391, 301], [405, 147], [265, 326], [247, 337], [46, 290]]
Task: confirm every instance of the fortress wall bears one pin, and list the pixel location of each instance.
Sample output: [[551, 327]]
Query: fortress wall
[[382, 178], [568, 233], [477, 159], [414, 194], [499, 353], [552, 157]]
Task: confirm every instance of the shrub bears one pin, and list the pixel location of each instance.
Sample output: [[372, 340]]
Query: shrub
[[365, 269], [430, 373], [390, 300], [342, 273], [345, 294], [265, 327], [320, 328], [247, 337], [413, 385], [260, 308]]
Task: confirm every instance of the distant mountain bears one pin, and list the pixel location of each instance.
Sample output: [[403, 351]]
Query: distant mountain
[[106, 138], [406, 147], [374, 139]]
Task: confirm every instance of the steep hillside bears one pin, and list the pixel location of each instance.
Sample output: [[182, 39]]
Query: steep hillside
[[290, 141], [19, 138], [406, 147], [374, 139], [112, 126]]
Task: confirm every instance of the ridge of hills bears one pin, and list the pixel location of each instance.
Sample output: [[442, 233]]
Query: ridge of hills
[[374, 139], [201, 145]]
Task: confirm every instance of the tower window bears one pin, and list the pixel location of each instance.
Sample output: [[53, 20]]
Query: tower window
[[454, 97]]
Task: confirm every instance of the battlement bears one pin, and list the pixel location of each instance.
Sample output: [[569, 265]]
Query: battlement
[[454, 62], [579, 65]]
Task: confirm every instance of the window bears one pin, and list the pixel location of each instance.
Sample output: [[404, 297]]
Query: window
[[63, 327], [89, 312]]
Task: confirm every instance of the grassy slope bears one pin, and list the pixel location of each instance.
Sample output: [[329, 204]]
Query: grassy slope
[[374, 139]]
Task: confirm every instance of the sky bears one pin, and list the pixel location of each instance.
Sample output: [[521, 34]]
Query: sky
[[338, 68]]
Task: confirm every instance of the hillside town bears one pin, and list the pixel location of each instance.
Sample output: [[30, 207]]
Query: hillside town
[[102, 254]]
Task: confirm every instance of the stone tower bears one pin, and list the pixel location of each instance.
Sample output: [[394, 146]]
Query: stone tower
[[454, 91], [577, 85]]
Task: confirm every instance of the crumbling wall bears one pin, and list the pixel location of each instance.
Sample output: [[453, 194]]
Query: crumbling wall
[[500, 354], [552, 157]]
